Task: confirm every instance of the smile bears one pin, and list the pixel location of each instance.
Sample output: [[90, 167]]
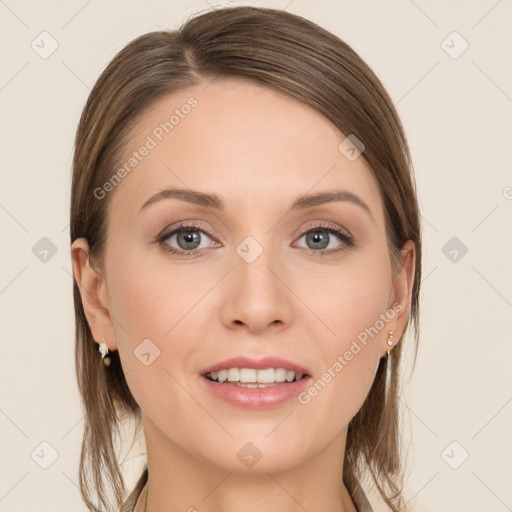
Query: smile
[[252, 377]]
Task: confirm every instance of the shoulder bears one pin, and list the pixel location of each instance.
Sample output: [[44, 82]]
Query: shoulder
[[140, 505], [136, 501]]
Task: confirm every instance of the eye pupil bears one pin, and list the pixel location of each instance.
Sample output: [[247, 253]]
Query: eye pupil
[[188, 237], [318, 236]]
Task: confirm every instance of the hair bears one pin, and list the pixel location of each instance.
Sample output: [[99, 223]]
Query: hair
[[289, 54]]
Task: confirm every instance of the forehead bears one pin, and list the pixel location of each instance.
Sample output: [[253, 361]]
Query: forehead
[[241, 140]]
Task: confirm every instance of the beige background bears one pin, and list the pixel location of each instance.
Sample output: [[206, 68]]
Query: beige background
[[456, 110]]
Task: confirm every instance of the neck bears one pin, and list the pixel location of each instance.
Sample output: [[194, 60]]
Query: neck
[[179, 480]]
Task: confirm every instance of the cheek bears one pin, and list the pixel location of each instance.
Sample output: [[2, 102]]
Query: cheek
[[358, 308], [150, 297], [154, 300], [354, 306], [156, 338], [352, 298]]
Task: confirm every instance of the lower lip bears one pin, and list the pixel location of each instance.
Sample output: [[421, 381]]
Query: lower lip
[[256, 398]]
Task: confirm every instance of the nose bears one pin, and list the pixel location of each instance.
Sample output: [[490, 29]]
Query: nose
[[256, 296]]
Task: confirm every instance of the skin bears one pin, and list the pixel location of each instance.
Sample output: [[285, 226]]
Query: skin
[[257, 150]]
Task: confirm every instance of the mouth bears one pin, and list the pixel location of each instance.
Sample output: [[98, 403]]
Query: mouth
[[250, 372], [256, 384]]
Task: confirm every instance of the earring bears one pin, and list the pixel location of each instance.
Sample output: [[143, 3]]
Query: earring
[[104, 351], [390, 341]]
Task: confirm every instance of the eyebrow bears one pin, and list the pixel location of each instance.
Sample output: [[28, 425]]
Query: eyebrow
[[215, 202]]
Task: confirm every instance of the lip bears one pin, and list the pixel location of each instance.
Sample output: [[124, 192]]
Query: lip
[[258, 364], [256, 398]]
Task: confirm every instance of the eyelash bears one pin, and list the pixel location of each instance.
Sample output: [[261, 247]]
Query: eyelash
[[346, 239]]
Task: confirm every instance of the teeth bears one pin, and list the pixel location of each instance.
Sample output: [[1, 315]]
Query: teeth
[[266, 376], [250, 377], [280, 375], [233, 375]]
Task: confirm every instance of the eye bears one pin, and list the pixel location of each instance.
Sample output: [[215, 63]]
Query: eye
[[185, 239], [326, 238]]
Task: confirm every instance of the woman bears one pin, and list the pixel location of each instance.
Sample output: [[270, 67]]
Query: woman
[[247, 254]]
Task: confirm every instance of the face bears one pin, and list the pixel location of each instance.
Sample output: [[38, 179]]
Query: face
[[189, 285]]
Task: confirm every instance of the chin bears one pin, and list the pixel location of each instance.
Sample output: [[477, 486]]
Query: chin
[[256, 454]]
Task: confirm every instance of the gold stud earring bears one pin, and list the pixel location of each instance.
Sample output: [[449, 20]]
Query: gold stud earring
[[390, 341]]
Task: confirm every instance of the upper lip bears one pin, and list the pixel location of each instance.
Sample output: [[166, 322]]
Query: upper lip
[[258, 364]]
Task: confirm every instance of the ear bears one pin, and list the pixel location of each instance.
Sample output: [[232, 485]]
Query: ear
[[401, 295], [93, 292]]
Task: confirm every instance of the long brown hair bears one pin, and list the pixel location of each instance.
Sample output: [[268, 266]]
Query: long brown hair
[[292, 55]]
